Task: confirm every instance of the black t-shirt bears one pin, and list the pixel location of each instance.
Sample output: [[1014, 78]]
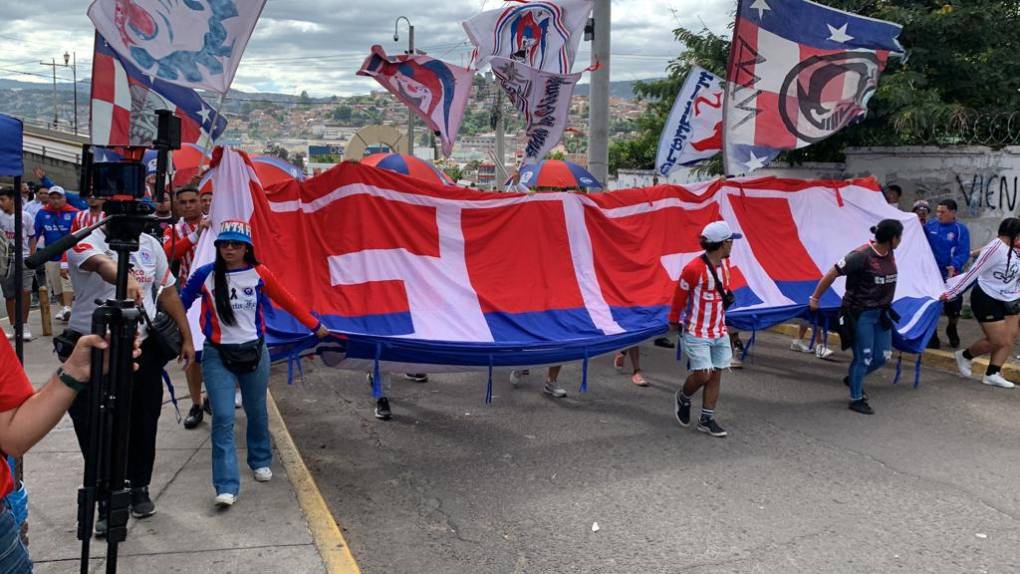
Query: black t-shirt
[[870, 278]]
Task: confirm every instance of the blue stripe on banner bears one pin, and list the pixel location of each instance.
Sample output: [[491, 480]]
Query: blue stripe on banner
[[809, 23]]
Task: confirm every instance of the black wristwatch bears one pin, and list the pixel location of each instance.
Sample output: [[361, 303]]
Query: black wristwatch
[[72, 383]]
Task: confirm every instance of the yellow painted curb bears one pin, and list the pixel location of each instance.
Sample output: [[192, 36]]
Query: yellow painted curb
[[940, 359], [329, 540]]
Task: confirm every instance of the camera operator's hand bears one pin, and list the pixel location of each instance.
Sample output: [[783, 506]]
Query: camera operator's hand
[[79, 363], [322, 332], [187, 356]]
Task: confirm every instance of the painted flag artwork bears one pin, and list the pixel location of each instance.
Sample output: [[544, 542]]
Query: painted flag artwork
[[191, 43], [415, 276], [693, 131], [125, 100], [541, 34], [798, 72], [436, 91], [542, 97]]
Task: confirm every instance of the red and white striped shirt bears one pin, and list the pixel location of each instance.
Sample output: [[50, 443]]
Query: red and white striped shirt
[[83, 219], [697, 296], [179, 243]]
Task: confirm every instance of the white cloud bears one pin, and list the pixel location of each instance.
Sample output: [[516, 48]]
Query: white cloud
[[318, 45]]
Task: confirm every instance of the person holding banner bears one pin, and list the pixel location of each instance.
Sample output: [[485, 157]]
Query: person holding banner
[[866, 313], [701, 298], [995, 302], [235, 290]]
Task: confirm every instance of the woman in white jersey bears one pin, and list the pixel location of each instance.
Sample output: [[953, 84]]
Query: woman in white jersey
[[235, 291], [995, 302]]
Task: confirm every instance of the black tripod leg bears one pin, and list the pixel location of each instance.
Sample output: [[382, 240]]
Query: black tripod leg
[[94, 479]]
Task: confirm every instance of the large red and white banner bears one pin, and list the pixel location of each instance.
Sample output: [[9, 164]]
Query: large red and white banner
[[447, 278]]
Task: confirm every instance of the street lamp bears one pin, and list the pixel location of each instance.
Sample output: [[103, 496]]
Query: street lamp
[[74, 75], [409, 52]]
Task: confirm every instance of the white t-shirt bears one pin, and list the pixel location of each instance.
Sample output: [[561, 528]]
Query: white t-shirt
[[27, 225], [148, 266], [997, 279]]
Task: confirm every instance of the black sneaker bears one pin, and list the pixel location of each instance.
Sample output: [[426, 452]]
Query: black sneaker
[[382, 409], [683, 411], [194, 417], [664, 342], [846, 381], [711, 427], [207, 406], [417, 377], [953, 335], [862, 407], [101, 527], [141, 505]]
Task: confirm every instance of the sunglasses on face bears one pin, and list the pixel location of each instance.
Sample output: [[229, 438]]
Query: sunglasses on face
[[232, 244]]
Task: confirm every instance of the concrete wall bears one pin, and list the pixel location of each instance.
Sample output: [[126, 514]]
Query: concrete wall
[[62, 173], [984, 182]]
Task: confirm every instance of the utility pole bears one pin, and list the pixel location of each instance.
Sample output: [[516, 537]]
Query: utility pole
[[74, 75], [53, 64], [500, 140], [598, 95], [409, 52]]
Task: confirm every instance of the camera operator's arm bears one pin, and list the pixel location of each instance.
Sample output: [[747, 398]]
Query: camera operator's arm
[[107, 269], [171, 303], [27, 415]]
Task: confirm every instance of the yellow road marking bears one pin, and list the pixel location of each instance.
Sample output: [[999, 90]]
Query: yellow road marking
[[329, 540]]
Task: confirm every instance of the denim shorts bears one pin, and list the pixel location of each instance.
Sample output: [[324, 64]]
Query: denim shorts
[[707, 354]]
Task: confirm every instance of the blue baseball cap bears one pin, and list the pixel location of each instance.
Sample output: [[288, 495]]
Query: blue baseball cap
[[235, 230]]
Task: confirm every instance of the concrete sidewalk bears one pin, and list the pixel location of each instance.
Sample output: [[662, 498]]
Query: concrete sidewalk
[[265, 531]]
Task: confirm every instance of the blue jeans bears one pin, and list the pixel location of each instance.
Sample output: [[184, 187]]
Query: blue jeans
[[13, 554], [219, 384], [872, 348]]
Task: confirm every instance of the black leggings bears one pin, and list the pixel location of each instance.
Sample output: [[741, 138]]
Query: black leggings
[[146, 406]]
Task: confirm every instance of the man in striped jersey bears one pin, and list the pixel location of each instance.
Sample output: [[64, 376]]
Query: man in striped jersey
[[701, 298], [92, 215], [179, 243]]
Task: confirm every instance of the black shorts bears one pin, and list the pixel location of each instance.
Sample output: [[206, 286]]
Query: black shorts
[[953, 307], [987, 309]]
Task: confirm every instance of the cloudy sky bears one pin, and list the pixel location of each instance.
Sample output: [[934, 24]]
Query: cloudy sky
[[317, 45]]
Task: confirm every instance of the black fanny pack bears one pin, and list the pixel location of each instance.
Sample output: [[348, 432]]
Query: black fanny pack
[[241, 358], [63, 344]]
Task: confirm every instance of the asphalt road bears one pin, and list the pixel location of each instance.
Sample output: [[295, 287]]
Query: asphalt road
[[802, 484]]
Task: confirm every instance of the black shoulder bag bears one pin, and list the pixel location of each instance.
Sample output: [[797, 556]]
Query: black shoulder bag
[[728, 298], [164, 332]]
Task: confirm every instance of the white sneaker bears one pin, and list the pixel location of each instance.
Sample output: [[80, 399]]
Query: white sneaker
[[263, 474], [65, 314], [800, 345], [553, 388], [517, 375], [225, 500], [26, 335], [823, 352], [237, 398], [10, 336], [962, 364], [997, 380]]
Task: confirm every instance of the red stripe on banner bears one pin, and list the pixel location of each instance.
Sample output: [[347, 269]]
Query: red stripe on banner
[[120, 126], [628, 251], [512, 268], [771, 232], [741, 66], [418, 231], [104, 79], [770, 130]]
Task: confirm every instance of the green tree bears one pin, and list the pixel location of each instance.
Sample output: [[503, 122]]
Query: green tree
[[342, 113], [303, 99], [962, 62]]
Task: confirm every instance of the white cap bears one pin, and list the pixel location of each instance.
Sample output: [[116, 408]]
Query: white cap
[[718, 231], [58, 189]]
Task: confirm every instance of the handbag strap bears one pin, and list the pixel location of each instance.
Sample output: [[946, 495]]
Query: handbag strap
[[711, 269]]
